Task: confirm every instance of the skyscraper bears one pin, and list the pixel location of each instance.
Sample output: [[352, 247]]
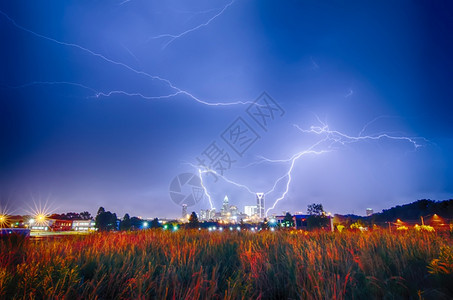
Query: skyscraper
[[225, 207], [184, 211], [260, 204]]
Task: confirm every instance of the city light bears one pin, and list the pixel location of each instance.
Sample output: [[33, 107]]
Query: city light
[[3, 220], [40, 219]]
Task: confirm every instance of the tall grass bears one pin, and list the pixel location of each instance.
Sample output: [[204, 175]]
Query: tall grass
[[229, 265]]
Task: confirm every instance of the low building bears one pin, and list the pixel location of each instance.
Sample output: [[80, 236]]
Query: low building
[[61, 225], [250, 210], [83, 225]]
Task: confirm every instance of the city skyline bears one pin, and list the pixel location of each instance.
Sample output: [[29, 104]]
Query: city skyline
[[140, 107]]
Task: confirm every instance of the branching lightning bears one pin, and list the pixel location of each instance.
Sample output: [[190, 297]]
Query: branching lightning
[[324, 145], [338, 137], [177, 90], [173, 37]]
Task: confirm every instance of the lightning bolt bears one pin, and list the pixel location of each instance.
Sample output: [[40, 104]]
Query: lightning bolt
[[177, 90], [324, 145], [342, 138], [373, 121], [173, 37], [332, 136], [205, 189]]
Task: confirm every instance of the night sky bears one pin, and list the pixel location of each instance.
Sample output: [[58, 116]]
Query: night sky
[[103, 103]]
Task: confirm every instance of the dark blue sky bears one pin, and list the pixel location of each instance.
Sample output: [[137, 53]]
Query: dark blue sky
[[82, 124]]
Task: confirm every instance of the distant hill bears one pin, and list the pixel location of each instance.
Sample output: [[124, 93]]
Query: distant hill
[[407, 212]]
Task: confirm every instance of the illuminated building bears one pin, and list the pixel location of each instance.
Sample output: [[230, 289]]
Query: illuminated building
[[83, 225], [260, 205], [250, 210], [61, 225], [369, 211], [203, 215], [234, 210], [225, 211], [211, 214]]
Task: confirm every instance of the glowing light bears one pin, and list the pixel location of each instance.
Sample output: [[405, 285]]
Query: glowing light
[[41, 219], [3, 220], [4, 215], [40, 212]]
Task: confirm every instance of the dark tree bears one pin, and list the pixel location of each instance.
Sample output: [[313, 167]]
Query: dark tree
[[288, 220], [100, 210], [125, 223], [85, 215], [193, 220], [315, 209], [105, 220], [57, 216], [136, 223], [155, 223], [317, 218]]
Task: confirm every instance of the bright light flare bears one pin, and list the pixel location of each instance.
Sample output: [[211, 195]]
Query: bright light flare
[[40, 213], [41, 219], [3, 220]]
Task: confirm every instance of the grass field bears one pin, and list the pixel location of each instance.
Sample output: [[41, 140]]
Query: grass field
[[229, 265]]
